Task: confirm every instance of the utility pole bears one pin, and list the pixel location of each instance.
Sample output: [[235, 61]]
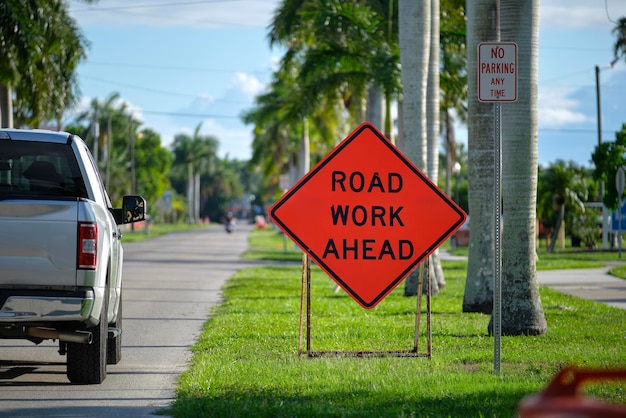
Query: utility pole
[[131, 141], [605, 212]]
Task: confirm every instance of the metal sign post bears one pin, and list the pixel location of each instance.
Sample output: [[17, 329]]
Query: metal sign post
[[497, 259], [497, 82]]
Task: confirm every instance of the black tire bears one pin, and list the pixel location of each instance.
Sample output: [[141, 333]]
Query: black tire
[[87, 363], [114, 343]]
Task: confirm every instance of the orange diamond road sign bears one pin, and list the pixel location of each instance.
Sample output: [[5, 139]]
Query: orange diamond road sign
[[366, 215]]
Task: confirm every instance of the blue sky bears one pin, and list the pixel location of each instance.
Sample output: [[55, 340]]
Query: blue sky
[[181, 63]]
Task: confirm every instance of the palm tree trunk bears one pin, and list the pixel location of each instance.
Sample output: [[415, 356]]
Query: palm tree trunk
[[190, 218], [6, 107], [388, 122], [522, 313], [557, 228], [400, 138], [414, 34], [482, 26], [305, 157], [432, 117], [374, 112], [196, 196]]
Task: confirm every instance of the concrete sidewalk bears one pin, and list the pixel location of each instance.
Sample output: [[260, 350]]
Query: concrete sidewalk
[[594, 284]]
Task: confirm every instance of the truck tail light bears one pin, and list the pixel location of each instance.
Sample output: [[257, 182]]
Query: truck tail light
[[87, 245]]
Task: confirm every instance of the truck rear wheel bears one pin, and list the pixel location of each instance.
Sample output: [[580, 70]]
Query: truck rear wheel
[[86, 363]]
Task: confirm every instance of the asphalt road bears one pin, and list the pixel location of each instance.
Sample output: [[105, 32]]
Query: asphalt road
[[170, 285]]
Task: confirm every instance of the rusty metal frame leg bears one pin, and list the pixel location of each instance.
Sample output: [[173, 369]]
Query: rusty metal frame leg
[[308, 305], [418, 312], [428, 327], [418, 309], [302, 296]]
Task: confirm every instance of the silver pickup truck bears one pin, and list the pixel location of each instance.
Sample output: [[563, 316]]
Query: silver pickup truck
[[60, 250]]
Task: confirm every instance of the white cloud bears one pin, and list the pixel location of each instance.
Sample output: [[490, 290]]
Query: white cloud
[[206, 98], [556, 107], [248, 84], [576, 14]]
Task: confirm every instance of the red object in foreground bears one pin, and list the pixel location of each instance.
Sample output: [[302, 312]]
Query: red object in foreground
[[562, 399]]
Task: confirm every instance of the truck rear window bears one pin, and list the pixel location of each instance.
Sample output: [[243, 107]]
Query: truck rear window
[[35, 169]]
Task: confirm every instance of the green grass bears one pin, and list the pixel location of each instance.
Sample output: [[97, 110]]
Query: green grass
[[568, 258], [155, 230], [619, 271], [270, 244], [246, 362]]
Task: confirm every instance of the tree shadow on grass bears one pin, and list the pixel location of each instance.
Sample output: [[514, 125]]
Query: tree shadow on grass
[[269, 403]]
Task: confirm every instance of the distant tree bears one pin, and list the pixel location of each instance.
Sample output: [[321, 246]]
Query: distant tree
[[153, 163], [194, 155], [608, 157], [109, 129], [221, 188], [562, 190]]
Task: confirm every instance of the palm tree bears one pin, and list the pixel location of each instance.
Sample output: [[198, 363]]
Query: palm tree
[[563, 186], [153, 163], [344, 51], [221, 187], [478, 295], [108, 127], [41, 47], [607, 157], [195, 153], [279, 138], [619, 48], [522, 313]]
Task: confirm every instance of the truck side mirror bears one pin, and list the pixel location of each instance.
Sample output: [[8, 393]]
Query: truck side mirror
[[133, 209]]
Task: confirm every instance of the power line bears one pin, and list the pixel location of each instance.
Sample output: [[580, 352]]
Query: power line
[[574, 131], [157, 91], [189, 115], [572, 48], [606, 9], [169, 17], [168, 67], [151, 5]]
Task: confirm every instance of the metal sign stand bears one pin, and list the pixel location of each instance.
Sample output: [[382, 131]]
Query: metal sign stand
[[305, 300], [497, 259]]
